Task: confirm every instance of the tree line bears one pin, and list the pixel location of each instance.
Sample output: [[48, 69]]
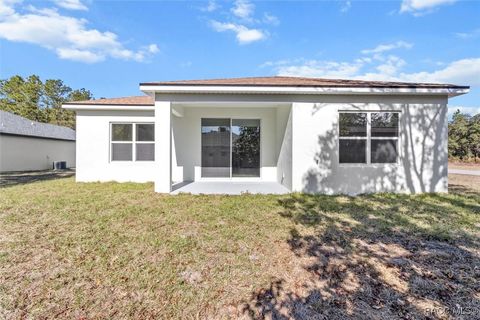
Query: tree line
[[39, 100], [464, 137]]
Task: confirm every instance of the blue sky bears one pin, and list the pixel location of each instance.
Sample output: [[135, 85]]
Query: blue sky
[[109, 47]]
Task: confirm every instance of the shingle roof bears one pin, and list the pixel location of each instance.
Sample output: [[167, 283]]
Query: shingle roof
[[135, 101], [263, 82], [303, 82], [13, 124]]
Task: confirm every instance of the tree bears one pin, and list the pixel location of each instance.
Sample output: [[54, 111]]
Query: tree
[[473, 136], [40, 101], [22, 97], [464, 136], [457, 135]]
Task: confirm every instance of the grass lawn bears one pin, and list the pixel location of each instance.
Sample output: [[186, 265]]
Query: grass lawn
[[107, 250]]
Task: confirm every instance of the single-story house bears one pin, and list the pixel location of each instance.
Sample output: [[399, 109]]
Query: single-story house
[[270, 134], [27, 145]]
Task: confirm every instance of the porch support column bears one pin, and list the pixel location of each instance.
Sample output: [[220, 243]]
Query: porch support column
[[163, 147]]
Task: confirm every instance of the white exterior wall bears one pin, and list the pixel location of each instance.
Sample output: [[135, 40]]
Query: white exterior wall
[[22, 153], [284, 138], [186, 142], [423, 158], [299, 145], [93, 148], [163, 147]]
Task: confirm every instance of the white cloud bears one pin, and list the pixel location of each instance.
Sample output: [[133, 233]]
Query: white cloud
[[381, 67], [210, 7], [388, 47], [243, 9], [79, 55], [468, 35], [346, 5], [243, 23], [271, 19], [6, 7], [71, 4], [391, 66], [244, 35], [419, 7], [153, 48], [69, 37], [463, 72], [318, 68], [468, 110]]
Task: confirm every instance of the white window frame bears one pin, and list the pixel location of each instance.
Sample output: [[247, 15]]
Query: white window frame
[[133, 142], [368, 139]]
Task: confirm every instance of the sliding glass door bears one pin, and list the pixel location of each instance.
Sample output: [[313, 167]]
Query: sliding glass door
[[216, 148], [245, 148], [230, 148]]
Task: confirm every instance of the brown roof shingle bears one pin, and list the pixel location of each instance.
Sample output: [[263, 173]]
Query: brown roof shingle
[[134, 101], [266, 81], [302, 82]]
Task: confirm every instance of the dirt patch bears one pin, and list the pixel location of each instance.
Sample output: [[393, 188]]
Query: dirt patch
[[9, 179], [463, 184]]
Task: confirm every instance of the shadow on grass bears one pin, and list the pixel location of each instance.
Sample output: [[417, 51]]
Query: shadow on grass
[[10, 179], [377, 257]]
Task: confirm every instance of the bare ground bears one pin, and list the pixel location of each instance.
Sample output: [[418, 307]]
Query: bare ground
[[464, 165]]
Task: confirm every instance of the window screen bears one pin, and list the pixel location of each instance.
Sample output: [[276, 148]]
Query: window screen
[[384, 124], [353, 124], [368, 137], [353, 137], [121, 132], [145, 151], [352, 151], [384, 137], [121, 152], [145, 132], [132, 139], [384, 151]]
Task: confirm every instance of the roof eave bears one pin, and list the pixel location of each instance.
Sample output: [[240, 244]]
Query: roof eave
[[37, 136], [107, 107], [212, 89]]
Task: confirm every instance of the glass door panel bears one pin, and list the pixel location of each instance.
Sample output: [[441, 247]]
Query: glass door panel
[[216, 148], [245, 148]]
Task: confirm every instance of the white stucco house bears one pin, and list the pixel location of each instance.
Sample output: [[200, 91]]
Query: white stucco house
[[270, 134], [27, 145]]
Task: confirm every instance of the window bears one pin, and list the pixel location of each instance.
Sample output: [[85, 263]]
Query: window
[[129, 139], [384, 137], [368, 137], [353, 137]]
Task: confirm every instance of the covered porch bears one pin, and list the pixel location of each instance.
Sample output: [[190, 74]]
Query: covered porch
[[228, 147]]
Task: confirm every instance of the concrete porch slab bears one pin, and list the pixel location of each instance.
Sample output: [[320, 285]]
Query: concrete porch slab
[[227, 187]]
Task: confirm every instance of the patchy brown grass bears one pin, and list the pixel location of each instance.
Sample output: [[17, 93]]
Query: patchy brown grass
[[464, 165], [121, 251], [463, 184]]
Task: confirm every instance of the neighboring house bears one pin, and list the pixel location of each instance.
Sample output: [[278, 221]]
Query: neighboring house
[[29, 145], [300, 134]]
